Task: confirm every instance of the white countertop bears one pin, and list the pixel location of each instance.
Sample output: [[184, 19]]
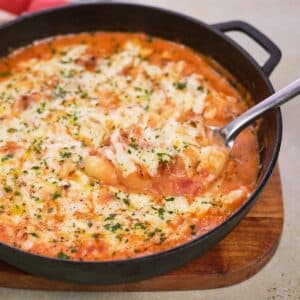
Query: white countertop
[[280, 279]]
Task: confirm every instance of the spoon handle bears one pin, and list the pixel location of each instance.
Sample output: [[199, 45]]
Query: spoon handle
[[231, 130]]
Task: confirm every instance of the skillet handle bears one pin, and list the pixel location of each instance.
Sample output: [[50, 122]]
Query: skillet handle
[[259, 37]]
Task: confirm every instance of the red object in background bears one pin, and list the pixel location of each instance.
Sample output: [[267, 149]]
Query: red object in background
[[15, 6], [20, 6], [42, 4]]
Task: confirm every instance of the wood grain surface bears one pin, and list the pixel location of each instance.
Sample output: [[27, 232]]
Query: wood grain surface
[[237, 257]]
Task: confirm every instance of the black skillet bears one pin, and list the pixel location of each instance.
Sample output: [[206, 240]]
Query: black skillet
[[207, 39]]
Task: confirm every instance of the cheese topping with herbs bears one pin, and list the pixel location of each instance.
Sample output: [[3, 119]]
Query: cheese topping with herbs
[[104, 151]]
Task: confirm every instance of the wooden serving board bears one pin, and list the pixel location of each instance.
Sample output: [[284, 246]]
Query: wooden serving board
[[237, 257]]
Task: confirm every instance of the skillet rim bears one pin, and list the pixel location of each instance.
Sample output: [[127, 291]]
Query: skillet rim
[[243, 209]]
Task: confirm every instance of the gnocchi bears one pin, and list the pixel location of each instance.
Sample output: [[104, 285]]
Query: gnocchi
[[104, 147]]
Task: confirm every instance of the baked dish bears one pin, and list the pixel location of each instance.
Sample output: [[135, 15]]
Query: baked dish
[[105, 151]]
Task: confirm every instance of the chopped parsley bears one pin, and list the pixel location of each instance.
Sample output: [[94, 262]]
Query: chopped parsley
[[116, 196], [82, 94], [116, 227], [162, 238], [112, 227], [149, 39], [11, 130], [34, 234], [7, 157], [133, 143], [67, 74], [53, 50], [126, 200], [169, 199], [139, 89], [161, 212], [66, 60], [110, 217], [152, 233], [8, 189], [62, 255], [5, 74], [107, 226], [59, 92], [63, 52], [205, 202], [35, 167], [65, 154], [140, 225], [119, 237], [180, 85], [73, 249], [35, 198], [41, 108], [36, 145], [164, 157], [56, 195]]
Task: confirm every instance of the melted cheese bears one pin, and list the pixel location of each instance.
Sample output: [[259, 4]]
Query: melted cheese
[[141, 117]]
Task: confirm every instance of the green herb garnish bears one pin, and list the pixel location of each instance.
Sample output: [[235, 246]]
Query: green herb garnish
[[161, 212], [7, 157], [5, 74], [11, 130], [164, 157], [56, 195], [8, 189], [65, 154], [170, 199], [180, 85], [62, 255]]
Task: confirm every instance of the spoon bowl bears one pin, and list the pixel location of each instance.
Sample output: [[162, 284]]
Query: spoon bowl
[[228, 133]]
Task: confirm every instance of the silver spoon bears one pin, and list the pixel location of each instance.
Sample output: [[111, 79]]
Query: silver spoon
[[228, 133]]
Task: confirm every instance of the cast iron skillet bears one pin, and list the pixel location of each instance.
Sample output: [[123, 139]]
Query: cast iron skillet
[[206, 39]]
